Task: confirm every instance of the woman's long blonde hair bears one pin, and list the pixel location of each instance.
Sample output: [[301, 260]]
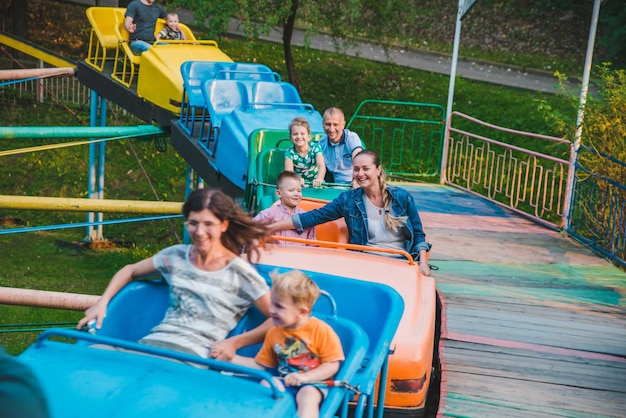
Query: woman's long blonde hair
[[391, 222]]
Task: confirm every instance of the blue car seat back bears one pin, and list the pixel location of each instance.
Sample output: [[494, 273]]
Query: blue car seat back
[[267, 92], [223, 97], [135, 310]]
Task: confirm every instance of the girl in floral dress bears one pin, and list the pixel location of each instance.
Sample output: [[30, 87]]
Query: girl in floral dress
[[305, 158]]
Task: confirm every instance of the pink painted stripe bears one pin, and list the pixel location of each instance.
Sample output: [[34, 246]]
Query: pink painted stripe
[[497, 342]]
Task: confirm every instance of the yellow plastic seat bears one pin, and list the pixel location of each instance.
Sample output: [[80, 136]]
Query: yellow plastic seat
[[126, 62], [103, 40]]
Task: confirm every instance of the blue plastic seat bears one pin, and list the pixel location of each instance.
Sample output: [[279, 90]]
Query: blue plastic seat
[[195, 73], [251, 319], [355, 343], [129, 317], [247, 71], [381, 330], [267, 93], [222, 97]]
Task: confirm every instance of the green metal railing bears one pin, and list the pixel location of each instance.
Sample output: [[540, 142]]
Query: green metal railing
[[598, 215], [409, 138]]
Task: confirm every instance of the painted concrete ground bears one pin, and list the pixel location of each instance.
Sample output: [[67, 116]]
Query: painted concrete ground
[[534, 323]]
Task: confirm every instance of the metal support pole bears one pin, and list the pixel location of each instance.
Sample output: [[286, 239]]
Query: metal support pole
[[455, 58], [91, 180], [97, 152], [101, 157], [40, 89], [569, 201], [587, 72]]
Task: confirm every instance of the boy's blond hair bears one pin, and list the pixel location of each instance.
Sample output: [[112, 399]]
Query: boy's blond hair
[[302, 290]]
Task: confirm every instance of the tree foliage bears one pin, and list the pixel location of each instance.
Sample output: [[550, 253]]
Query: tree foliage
[[603, 126], [340, 19], [613, 39], [598, 213]]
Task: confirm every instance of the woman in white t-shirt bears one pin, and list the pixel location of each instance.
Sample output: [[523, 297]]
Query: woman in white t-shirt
[[211, 287]]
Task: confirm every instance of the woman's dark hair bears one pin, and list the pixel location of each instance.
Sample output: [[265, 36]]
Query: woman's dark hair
[[243, 234]]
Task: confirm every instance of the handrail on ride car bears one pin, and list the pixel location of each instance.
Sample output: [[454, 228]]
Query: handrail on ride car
[[215, 365], [205, 42], [306, 106], [330, 244]]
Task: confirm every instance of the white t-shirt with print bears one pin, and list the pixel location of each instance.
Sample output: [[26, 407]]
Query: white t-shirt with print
[[204, 305]]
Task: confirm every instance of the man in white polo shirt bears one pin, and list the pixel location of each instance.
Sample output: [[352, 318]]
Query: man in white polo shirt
[[339, 146]]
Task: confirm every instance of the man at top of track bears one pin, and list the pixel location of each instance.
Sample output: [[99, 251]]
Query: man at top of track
[[140, 21]]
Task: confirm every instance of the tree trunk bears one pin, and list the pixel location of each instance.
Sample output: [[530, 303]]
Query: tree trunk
[[19, 25], [19, 15], [523, 5], [288, 28]]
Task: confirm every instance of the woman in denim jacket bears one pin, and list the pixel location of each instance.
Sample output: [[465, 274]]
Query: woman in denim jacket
[[376, 214]]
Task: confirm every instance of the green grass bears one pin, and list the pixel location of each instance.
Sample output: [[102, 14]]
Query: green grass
[[135, 169], [37, 261]]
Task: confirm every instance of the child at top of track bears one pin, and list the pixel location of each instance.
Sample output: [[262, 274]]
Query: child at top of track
[[172, 29], [302, 348]]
